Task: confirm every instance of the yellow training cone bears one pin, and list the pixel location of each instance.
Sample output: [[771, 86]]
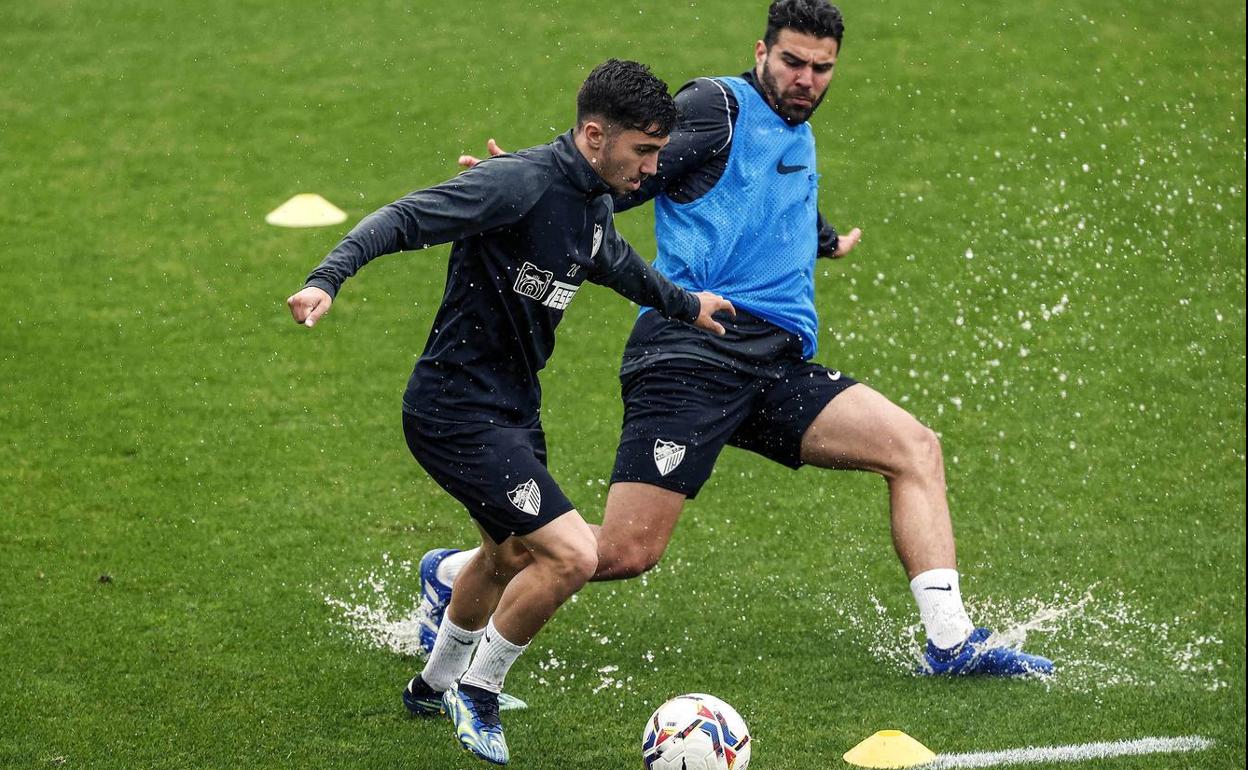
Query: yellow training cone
[[889, 748], [306, 210]]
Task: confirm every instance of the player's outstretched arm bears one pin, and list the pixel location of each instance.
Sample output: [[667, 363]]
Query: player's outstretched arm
[[495, 195], [308, 305]]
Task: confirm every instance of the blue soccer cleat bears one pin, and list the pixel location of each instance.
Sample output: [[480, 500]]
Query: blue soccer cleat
[[979, 655], [434, 596], [474, 711], [421, 699]]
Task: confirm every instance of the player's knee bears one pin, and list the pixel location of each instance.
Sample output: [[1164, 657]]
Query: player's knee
[[635, 561], [922, 452], [620, 560], [582, 567], [577, 563]]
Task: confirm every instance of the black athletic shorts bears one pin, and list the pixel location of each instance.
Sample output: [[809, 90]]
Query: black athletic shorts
[[679, 414], [498, 473]]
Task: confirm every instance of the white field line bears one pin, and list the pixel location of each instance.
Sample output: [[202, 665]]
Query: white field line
[[1074, 753]]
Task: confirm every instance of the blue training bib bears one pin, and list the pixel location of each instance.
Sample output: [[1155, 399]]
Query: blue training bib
[[753, 238]]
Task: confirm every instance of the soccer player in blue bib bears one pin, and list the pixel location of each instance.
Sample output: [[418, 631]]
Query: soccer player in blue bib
[[528, 230], [735, 200]]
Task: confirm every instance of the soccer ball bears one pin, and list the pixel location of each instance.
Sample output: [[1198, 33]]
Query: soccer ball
[[695, 732]]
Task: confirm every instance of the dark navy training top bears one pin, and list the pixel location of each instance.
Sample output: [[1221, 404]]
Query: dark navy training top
[[528, 229]]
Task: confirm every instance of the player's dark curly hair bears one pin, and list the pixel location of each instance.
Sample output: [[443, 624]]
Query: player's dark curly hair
[[626, 94], [814, 17]]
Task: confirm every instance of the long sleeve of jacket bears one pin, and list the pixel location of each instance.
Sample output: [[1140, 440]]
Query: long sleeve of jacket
[[494, 194], [619, 267], [828, 238]]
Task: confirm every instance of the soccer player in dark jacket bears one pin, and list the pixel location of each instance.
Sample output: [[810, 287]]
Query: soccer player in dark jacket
[[528, 230]]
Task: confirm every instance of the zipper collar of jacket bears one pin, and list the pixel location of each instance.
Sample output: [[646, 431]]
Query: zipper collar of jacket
[[577, 168]]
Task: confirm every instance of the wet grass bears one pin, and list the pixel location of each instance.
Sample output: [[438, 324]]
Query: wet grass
[[1052, 277]]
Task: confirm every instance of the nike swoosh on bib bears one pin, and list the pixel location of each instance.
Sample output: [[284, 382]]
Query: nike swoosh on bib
[[783, 169]]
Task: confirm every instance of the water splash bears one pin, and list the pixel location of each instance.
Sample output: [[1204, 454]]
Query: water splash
[[1043, 619], [376, 619], [1098, 638]]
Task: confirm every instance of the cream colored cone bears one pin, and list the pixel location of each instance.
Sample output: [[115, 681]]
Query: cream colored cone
[[306, 210], [889, 748]]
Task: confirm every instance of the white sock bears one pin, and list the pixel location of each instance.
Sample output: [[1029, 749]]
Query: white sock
[[940, 607], [449, 568], [450, 656], [493, 660]]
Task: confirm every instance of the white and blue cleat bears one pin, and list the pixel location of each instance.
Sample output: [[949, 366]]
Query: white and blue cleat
[[434, 597], [474, 712], [424, 701], [980, 655]]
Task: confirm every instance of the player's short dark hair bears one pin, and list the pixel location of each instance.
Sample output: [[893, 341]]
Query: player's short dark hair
[[814, 17], [626, 94]]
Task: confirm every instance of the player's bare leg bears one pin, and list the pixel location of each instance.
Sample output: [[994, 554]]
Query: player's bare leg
[[564, 555], [515, 587], [479, 588], [636, 528], [483, 580], [512, 595], [862, 430]]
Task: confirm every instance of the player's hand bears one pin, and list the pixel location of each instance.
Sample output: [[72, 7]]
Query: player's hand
[[468, 161], [308, 305], [712, 304], [847, 242]]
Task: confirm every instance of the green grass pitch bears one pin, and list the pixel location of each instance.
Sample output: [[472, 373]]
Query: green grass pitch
[[1052, 277]]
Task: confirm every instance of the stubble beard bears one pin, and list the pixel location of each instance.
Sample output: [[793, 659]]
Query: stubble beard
[[792, 114], [613, 171]]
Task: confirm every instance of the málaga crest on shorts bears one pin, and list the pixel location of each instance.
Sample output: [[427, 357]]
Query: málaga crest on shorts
[[667, 455], [527, 497]]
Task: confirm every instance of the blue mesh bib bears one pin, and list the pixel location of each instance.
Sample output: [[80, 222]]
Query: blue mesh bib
[[753, 238]]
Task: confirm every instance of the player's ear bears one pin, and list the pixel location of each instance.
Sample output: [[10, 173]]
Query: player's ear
[[760, 52], [594, 134]]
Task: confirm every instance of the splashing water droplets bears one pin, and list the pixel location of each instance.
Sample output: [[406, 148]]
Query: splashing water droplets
[[374, 618]]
